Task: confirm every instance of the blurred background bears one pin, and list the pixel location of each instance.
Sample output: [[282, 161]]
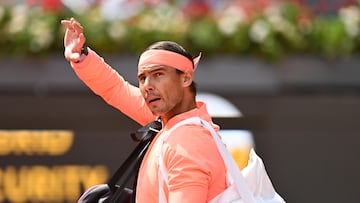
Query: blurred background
[[282, 76]]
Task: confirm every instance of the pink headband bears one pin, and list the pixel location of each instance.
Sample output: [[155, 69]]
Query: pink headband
[[168, 58]]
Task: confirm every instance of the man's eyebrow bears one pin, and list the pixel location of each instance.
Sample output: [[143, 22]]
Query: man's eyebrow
[[157, 68]]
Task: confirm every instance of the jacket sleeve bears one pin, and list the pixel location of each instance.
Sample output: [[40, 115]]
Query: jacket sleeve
[[111, 86]]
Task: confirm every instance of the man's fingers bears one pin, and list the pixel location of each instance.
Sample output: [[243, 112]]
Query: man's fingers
[[82, 39], [77, 27], [66, 23], [72, 25]]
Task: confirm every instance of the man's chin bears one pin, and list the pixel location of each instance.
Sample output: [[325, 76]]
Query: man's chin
[[155, 110], [157, 113]]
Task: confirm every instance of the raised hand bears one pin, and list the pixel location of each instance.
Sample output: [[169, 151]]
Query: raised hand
[[74, 39]]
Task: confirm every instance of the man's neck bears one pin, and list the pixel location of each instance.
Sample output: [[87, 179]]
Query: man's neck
[[185, 108]]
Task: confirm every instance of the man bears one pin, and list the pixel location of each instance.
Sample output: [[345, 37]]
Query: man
[[196, 171]]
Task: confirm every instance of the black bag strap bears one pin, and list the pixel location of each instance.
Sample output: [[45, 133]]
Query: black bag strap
[[127, 165], [134, 168], [131, 165]]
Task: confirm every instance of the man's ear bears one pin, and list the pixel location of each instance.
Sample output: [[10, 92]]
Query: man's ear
[[187, 79]]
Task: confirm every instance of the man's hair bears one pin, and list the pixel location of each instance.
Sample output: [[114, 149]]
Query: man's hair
[[174, 47]]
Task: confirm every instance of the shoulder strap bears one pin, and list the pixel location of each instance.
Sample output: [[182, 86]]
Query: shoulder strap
[[147, 134], [162, 172], [233, 169], [235, 173], [127, 167], [130, 167]]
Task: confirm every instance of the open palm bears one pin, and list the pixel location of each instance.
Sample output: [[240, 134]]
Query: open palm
[[74, 39]]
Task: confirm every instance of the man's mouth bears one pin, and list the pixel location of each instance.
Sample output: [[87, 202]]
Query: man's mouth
[[153, 100]]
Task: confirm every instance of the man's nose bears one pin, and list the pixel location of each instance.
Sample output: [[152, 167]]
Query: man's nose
[[148, 84]]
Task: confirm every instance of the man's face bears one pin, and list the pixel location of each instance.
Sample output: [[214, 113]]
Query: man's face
[[162, 89]]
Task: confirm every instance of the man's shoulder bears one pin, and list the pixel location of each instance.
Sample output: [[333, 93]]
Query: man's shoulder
[[189, 133]]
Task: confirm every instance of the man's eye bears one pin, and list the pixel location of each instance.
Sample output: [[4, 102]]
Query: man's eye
[[141, 79]]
